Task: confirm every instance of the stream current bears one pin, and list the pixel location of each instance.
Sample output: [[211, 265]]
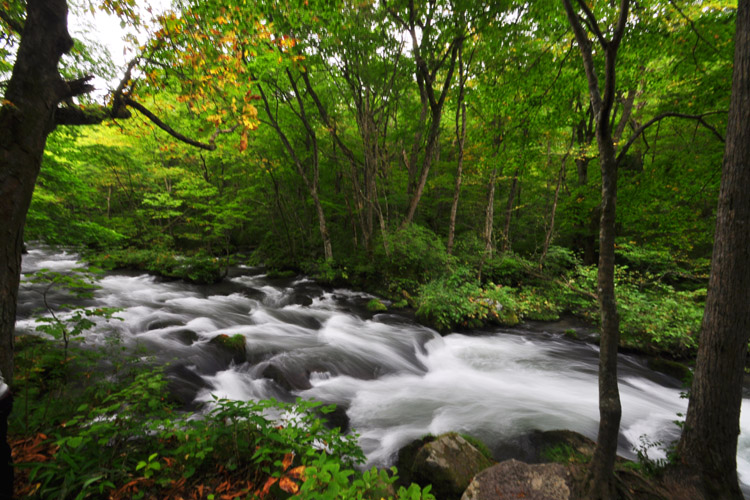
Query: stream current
[[397, 380]]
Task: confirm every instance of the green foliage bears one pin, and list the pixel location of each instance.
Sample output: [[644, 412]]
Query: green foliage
[[507, 269], [415, 256], [326, 480], [199, 268], [457, 300], [648, 466], [375, 305]]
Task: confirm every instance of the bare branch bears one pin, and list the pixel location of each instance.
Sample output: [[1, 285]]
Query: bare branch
[[692, 26], [592, 23], [660, 117]]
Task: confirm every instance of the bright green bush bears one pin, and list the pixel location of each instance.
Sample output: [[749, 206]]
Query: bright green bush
[[416, 255], [456, 300]]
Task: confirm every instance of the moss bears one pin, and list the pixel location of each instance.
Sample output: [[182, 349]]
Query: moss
[[281, 273], [479, 445], [235, 343], [571, 334], [564, 454], [375, 305], [672, 368]]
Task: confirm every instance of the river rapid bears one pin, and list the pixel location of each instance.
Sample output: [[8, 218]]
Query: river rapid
[[396, 380]]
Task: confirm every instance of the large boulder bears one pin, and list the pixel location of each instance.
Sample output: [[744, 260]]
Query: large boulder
[[514, 479], [448, 462]]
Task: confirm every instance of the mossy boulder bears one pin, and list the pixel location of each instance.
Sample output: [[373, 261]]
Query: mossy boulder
[[672, 368], [233, 346], [448, 462], [375, 305]]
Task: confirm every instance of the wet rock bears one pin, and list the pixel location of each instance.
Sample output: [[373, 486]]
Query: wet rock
[[185, 337], [671, 368], [183, 385], [162, 323], [448, 462], [299, 299], [538, 446], [231, 347], [336, 419], [291, 380], [514, 479]]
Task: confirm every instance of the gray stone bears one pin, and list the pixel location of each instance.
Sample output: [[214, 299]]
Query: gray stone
[[447, 462], [514, 479]]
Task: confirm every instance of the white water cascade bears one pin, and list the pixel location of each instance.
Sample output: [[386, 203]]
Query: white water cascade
[[396, 380]]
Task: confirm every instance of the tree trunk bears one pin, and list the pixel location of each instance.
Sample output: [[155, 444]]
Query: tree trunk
[[33, 93], [509, 210], [610, 411], [708, 446], [461, 135], [551, 227], [601, 469]]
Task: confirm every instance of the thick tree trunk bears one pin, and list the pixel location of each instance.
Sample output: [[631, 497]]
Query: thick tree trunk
[[708, 446], [26, 118]]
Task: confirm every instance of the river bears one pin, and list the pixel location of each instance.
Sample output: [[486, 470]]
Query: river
[[397, 380]]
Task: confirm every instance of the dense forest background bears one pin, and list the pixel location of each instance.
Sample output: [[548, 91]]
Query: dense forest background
[[410, 149]]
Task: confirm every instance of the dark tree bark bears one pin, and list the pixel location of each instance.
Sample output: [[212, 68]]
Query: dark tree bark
[[30, 112], [708, 446], [601, 469], [33, 94]]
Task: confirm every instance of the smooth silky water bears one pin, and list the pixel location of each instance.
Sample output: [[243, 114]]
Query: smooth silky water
[[397, 380]]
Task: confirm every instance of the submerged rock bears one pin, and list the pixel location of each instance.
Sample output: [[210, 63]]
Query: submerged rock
[[448, 462], [514, 479]]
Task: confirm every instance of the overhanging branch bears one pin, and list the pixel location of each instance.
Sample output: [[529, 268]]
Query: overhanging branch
[[660, 117], [211, 146], [94, 115]]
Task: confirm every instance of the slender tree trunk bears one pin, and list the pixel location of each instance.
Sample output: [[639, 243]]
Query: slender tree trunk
[[489, 213], [461, 136], [708, 446], [509, 210], [601, 468], [551, 227]]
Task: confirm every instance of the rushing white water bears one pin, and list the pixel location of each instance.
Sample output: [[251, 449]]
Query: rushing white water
[[396, 379]]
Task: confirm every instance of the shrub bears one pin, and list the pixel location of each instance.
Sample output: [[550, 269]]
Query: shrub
[[417, 255]]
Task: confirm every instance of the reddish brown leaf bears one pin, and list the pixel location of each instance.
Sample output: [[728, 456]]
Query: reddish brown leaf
[[288, 485]]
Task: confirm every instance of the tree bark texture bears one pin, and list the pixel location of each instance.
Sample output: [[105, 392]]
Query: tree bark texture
[[34, 91], [708, 446]]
